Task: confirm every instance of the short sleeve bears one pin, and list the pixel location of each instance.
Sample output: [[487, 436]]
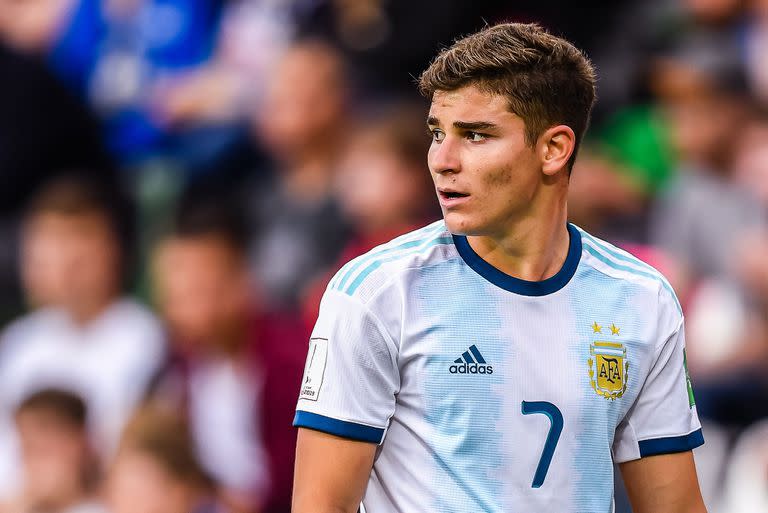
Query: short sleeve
[[663, 419], [351, 376]]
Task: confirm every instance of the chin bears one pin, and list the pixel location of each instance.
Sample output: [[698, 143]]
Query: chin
[[461, 224]]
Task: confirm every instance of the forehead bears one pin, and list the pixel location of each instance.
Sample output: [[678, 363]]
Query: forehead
[[62, 223], [469, 103], [205, 251]]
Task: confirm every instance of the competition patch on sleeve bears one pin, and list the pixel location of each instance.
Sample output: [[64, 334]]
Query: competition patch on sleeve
[[691, 399], [314, 369]]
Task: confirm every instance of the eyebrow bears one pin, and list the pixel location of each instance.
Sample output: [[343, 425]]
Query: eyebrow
[[464, 125]]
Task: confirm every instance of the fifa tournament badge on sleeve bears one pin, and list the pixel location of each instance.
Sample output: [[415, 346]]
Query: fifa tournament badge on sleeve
[[314, 369], [608, 365], [689, 386]]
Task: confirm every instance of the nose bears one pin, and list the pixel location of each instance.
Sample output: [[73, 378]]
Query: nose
[[443, 157]]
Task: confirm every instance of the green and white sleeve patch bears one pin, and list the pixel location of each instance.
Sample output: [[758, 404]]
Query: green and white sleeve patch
[[691, 399]]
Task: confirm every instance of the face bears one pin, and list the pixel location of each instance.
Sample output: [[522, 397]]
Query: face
[[32, 25], [54, 455], [751, 164], [69, 260], [695, 137], [201, 288], [485, 174], [378, 189], [139, 484], [303, 103]]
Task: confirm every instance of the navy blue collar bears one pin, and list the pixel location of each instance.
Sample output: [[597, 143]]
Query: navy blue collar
[[516, 285]]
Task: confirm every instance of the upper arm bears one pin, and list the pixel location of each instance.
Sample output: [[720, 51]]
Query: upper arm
[[347, 397], [663, 484], [331, 472], [663, 418], [653, 443]]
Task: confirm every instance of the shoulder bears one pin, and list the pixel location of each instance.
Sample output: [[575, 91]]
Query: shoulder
[[42, 320], [129, 312], [130, 329], [29, 334], [363, 276], [625, 268]]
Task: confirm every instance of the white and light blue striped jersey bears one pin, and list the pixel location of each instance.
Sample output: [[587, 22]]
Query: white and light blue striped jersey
[[490, 393]]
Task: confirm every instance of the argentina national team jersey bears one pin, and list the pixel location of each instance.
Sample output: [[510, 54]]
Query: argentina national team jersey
[[489, 393]]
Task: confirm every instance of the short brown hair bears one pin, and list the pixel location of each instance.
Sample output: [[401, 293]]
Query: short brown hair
[[546, 79], [164, 436], [67, 407], [75, 193]]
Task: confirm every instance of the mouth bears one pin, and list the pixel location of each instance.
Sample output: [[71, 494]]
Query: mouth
[[449, 197]]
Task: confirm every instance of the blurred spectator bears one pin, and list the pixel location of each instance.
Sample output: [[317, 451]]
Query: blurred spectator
[[42, 130], [126, 57], [746, 482], [637, 138], [606, 197], [704, 199], [626, 161], [236, 368], [303, 127], [755, 41], [702, 219], [82, 334], [156, 471], [751, 158], [56, 458], [383, 185], [33, 26], [383, 181], [686, 54], [251, 38], [751, 173]]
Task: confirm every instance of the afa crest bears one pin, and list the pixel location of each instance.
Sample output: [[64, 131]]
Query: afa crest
[[608, 368]]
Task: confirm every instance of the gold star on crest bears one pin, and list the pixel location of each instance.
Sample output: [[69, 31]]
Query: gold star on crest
[[614, 329], [596, 327]]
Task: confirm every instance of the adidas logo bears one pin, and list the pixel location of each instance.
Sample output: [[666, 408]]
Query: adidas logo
[[471, 362]]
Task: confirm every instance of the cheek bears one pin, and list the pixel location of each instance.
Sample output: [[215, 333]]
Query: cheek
[[496, 175], [501, 178], [514, 169], [508, 187]]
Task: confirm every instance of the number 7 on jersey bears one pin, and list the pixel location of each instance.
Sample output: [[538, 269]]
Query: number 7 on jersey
[[556, 427]]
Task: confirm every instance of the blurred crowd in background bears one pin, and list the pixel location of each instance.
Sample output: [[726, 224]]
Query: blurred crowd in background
[[180, 178]]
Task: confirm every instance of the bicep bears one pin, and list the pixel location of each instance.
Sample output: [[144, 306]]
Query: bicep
[[663, 484], [331, 472]]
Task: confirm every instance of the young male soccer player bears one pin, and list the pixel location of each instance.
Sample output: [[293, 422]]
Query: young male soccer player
[[502, 359]]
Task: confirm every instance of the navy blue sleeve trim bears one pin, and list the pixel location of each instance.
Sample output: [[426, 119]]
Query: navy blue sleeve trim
[[338, 427], [671, 444], [517, 285]]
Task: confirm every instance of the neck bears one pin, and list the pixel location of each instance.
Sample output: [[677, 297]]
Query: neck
[[85, 311], [533, 248], [65, 499], [231, 342], [310, 179]]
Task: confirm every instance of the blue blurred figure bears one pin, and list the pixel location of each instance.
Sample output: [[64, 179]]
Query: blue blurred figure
[[121, 55]]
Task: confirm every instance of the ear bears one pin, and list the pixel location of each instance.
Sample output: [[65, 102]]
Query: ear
[[555, 147]]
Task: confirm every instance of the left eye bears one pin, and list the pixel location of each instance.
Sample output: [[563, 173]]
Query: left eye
[[475, 136]]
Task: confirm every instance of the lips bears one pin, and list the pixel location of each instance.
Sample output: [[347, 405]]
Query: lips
[[451, 197]]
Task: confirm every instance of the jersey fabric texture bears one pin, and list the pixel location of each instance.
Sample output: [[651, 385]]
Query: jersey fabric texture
[[490, 393]]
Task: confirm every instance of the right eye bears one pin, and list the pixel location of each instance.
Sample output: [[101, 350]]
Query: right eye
[[437, 135]]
